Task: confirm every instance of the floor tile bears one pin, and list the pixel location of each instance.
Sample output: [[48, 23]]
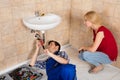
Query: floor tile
[[116, 77], [82, 68]]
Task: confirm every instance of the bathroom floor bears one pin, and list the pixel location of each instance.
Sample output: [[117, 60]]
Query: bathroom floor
[[109, 72]]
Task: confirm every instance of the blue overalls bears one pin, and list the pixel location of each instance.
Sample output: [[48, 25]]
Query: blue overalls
[[57, 71]]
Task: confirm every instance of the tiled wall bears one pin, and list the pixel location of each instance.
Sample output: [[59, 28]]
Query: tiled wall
[[109, 9], [16, 41]]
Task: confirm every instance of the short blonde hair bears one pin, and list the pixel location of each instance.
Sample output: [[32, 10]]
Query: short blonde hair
[[93, 17]]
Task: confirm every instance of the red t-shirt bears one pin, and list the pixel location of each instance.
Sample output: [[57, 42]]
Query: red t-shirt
[[108, 44]]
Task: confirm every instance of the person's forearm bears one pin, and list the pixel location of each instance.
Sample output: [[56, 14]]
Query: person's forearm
[[59, 59], [33, 60]]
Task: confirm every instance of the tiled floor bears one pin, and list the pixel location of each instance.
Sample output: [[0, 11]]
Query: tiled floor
[[109, 72]]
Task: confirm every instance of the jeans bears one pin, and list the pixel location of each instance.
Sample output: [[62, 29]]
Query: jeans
[[95, 58]]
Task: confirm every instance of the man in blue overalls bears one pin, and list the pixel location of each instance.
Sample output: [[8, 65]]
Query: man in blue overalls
[[57, 65]]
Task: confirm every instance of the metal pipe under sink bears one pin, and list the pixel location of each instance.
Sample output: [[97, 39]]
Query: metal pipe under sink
[[41, 39]]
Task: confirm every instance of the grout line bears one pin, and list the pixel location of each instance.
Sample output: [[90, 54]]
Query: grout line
[[113, 67], [65, 46], [115, 76], [74, 48]]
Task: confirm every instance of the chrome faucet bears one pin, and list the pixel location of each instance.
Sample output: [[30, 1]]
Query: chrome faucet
[[36, 13]]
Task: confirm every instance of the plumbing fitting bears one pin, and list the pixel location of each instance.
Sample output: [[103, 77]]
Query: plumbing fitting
[[38, 36], [36, 13], [32, 31], [40, 39]]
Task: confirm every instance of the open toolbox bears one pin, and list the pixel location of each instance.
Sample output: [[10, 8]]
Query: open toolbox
[[24, 72]]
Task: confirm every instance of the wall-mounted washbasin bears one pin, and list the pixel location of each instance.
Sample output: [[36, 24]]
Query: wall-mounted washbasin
[[42, 23]]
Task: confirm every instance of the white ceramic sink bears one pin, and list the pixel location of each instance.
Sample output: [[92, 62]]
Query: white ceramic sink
[[45, 22]]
